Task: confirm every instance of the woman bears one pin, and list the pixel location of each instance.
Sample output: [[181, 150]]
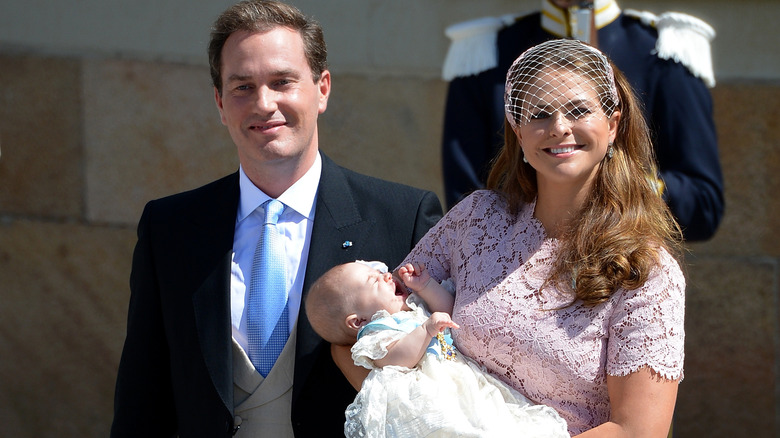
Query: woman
[[567, 284]]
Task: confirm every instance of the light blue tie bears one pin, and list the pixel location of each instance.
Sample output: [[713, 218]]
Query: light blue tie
[[267, 319]]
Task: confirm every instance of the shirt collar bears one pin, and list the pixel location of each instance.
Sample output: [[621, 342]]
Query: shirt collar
[[300, 197], [562, 23]]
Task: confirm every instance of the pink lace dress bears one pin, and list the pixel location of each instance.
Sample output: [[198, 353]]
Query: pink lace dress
[[559, 358]]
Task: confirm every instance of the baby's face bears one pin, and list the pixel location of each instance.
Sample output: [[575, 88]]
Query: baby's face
[[375, 291]]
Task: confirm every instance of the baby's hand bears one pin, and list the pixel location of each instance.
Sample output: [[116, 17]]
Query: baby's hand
[[414, 276], [438, 322]]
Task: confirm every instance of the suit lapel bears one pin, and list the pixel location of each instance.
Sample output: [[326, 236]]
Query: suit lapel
[[211, 301], [337, 220], [339, 231]]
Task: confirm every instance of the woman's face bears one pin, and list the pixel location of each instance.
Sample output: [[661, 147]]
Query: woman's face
[[567, 134]]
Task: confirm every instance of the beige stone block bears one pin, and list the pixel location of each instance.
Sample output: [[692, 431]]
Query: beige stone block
[[386, 127], [746, 116], [151, 129], [730, 384], [62, 322], [40, 136]]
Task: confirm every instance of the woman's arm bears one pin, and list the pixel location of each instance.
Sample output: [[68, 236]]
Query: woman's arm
[[342, 356], [408, 350], [642, 404]]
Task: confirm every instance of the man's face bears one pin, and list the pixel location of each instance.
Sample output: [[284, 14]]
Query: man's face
[[269, 101]]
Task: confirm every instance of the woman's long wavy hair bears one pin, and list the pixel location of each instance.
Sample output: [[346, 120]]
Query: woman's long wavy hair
[[614, 240]]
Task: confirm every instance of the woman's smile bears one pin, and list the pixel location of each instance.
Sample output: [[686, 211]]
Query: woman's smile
[[563, 149]]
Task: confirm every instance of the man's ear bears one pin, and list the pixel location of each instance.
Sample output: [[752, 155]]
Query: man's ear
[[324, 89], [354, 322], [218, 100]]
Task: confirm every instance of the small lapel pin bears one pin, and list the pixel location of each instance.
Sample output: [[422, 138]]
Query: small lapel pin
[[346, 244]]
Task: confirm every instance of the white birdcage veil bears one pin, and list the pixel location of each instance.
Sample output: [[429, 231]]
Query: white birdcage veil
[[563, 75]]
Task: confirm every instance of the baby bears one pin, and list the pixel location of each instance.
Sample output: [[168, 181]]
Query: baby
[[419, 385], [348, 296]]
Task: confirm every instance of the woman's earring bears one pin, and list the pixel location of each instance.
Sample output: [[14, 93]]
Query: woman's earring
[[610, 151], [525, 160]]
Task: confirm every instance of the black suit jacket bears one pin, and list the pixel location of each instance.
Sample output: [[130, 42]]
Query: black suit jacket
[[175, 374]]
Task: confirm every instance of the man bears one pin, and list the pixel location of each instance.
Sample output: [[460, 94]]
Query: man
[[188, 366], [678, 105]]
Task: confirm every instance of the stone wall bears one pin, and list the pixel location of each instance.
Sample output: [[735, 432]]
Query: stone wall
[[86, 141], [733, 334]]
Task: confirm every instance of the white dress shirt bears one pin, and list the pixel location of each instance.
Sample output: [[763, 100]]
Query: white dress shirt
[[295, 222]]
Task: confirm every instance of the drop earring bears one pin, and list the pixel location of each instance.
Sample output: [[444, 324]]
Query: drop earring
[[610, 151]]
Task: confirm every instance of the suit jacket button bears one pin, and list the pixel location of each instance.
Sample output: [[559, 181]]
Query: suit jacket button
[[236, 424]]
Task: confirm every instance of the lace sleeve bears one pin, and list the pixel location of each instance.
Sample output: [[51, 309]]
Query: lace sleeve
[[374, 346], [647, 325], [434, 249]]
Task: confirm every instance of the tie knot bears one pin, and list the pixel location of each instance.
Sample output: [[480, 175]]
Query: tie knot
[[273, 209]]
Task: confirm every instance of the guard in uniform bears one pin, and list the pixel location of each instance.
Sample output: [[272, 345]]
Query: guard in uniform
[[665, 57]]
